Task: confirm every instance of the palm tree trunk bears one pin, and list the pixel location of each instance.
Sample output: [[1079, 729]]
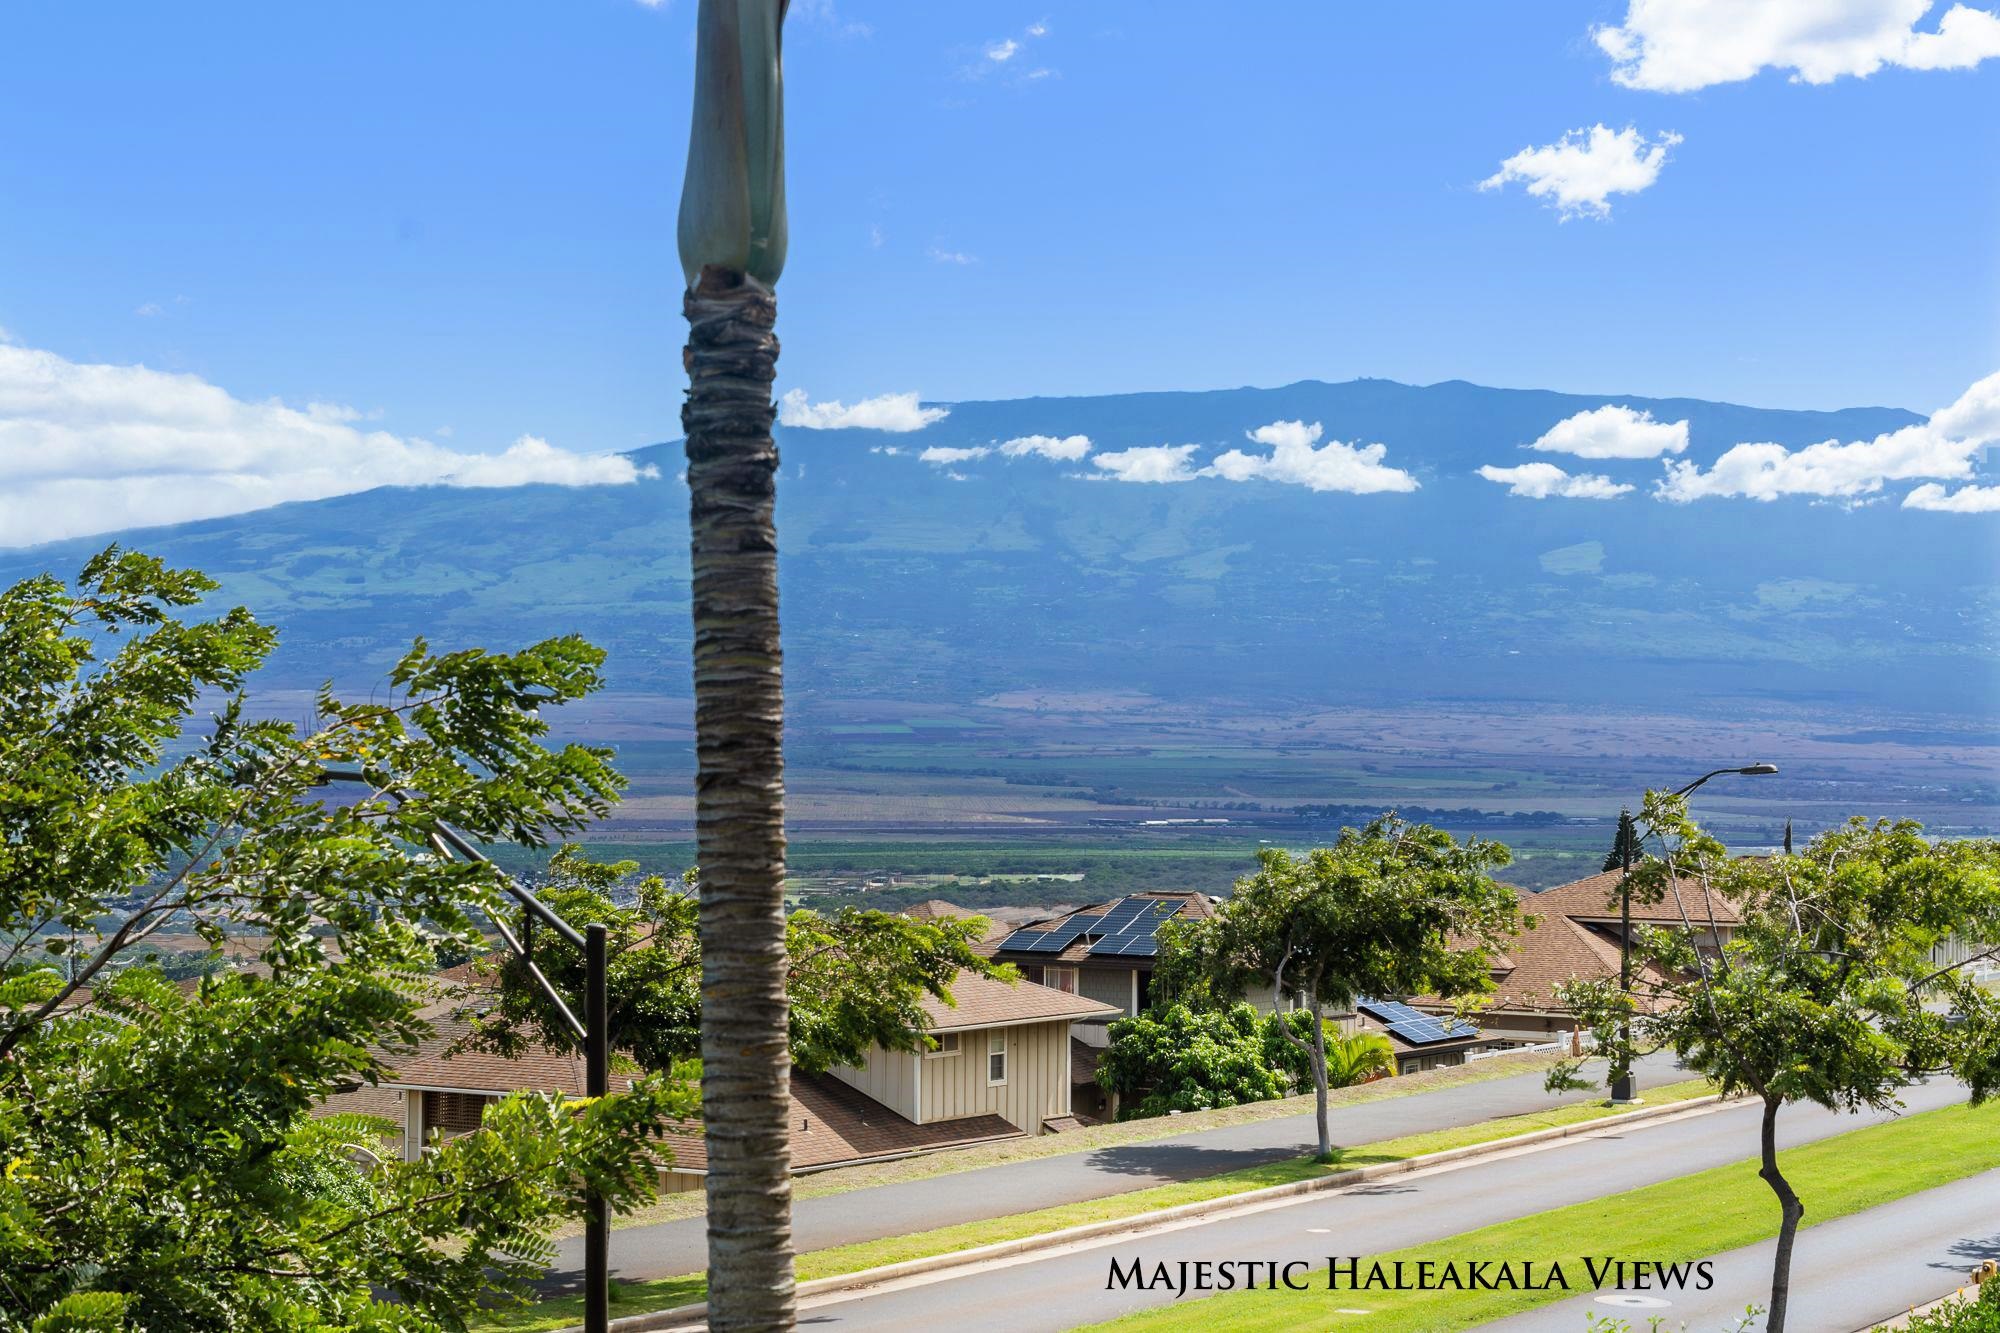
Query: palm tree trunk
[[1790, 1210], [731, 360]]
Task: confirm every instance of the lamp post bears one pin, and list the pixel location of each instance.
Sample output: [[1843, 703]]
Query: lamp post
[[1624, 1087], [593, 1032]]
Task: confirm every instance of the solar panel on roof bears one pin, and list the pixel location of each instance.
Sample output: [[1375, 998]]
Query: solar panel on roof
[[1140, 936], [1413, 1025], [1119, 916], [1054, 940]]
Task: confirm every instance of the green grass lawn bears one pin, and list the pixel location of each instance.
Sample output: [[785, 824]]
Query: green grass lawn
[[665, 1293], [1675, 1221]]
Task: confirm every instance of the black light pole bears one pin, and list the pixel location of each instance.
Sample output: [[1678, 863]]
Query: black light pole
[[597, 1082], [1624, 1087], [593, 1032]]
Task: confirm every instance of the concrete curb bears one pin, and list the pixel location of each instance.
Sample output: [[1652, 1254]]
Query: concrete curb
[[1968, 1292], [1139, 1222]]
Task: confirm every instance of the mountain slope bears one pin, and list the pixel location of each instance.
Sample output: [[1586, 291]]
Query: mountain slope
[[903, 582]]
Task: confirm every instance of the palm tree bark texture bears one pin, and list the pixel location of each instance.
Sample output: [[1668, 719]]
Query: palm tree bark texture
[[731, 360]]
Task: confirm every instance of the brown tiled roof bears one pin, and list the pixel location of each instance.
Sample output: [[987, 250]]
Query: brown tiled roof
[[542, 1068], [1574, 939], [835, 1125], [1595, 897], [937, 909], [983, 1002], [365, 1100], [932, 909], [1194, 907], [1083, 1058]]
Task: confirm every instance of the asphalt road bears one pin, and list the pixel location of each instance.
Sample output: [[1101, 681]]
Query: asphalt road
[[666, 1249], [1847, 1274], [1062, 1290]]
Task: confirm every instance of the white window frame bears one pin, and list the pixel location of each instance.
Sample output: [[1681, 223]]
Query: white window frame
[[996, 1044], [947, 1044], [1071, 974]]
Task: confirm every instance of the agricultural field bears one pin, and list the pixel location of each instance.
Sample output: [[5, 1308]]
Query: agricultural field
[[1033, 800]]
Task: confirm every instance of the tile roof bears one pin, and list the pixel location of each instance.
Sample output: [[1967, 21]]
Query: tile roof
[[937, 909], [1595, 897], [542, 1068], [984, 1002], [1576, 938], [1083, 1060], [836, 1125]]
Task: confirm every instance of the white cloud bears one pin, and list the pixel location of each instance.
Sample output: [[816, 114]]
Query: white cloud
[[96, 448], [1964, 500], [1150, 463], [1038, 29], [1614, 431], [889, 411], [1357, 469], [1943, 447], [943, 256], [1677, 46], [1002, 51], [1064, 449], [1578, 173], [533, 460], [889, 449], [150, 310], [1542, 481], [875, 235], [942, 454]]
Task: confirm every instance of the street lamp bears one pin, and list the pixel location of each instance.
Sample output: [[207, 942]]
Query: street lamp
[[593, 1032], [1624, 1087]]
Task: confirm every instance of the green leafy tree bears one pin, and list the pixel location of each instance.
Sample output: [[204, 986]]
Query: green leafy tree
[[1390, 910], [1174, 1058], [1178, 1058], [1829, 991], [857, 979], [162, 1166]]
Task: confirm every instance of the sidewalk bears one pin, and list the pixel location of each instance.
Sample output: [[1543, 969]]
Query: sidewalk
[[667, 1249]]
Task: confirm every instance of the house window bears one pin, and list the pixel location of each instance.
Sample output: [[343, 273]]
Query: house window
[[996, 1058], [947, 1044], [1060, 978]]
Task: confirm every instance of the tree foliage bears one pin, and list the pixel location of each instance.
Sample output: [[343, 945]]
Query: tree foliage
[[163, 1168], [1625, 845], [857, 979], [1390, 910], [1174, 1058], [1177, 1058], [1828, 991]]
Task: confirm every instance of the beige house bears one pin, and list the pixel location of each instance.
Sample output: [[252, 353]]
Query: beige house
[[1000, 1070], [1001, 1050]]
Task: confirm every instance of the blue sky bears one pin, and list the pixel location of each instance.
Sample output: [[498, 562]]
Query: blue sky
[[456, 220]]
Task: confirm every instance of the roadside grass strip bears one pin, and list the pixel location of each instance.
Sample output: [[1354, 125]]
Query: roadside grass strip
[[666, 1293], [1676, 1221]]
